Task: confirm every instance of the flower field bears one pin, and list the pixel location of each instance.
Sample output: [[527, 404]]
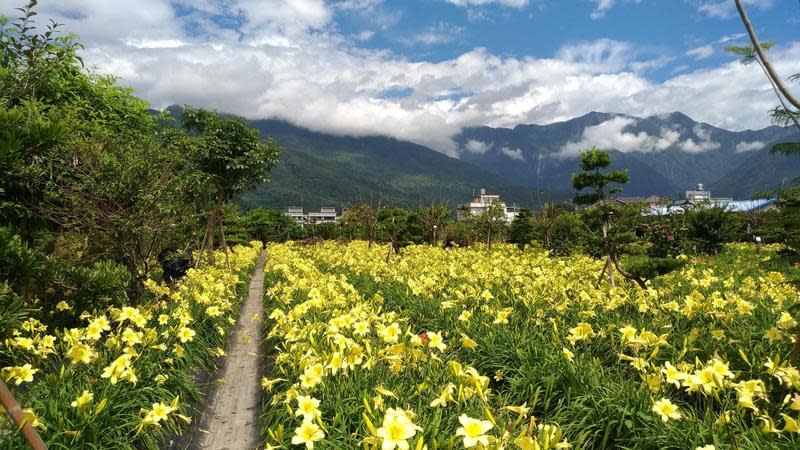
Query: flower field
[[470, 348], [124, 378]]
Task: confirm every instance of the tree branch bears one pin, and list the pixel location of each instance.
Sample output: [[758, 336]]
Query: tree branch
[[772, 75]]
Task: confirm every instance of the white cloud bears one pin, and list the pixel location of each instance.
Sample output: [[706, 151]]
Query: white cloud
[[164, 43], [611, 135], [438, 33], [730, 37], [350, 5], [745, 146], [701, 132], [604, 5], [690, 146], [704, 142], [702, 52], [365, 35], [291, 62], [725, 9], [602, 55], [477, 147], [513, 153], [510, 3], [707, 50]]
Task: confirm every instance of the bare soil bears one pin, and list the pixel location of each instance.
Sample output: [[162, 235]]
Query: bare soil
[[231, 420]]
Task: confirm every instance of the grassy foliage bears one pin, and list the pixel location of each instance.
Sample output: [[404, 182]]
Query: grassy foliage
[[601, 364], [124, 378]]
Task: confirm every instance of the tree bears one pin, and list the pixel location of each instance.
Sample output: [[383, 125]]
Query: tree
[[393, 223], [565, 233], [89, 176], [461, 233], [789, 110], [593, 176], [363, 216], [491, 220], [434, 217], [522, 230], [230, 157], [271, 225], [710, 228]]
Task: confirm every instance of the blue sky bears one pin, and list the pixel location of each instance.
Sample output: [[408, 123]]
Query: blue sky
[[665, 29], [421, 70]]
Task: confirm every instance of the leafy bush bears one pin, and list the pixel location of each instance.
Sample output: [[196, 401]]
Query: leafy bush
[[12, 312], [522, 230], [665, 235], [462, 234], [123, 360], [566, 235], [647, 268], [709, 229]]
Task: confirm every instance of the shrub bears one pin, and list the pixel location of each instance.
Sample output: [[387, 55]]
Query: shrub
[[709, 228], [566, 235], [522, 231], [648, 268]]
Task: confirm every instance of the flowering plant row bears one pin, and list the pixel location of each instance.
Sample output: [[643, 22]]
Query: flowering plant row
[[349, 372], [125, 378], [700, 358]]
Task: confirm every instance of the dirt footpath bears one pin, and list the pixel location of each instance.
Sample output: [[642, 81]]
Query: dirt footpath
[[231, 421]]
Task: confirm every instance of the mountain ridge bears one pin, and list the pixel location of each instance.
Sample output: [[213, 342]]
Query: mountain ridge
[[527, 164], [679, 151]]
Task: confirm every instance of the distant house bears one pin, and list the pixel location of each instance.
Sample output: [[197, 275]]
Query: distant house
[[324, 215], [701, 198], [652, 201], [480, 204], [296, 213], [754, 206]]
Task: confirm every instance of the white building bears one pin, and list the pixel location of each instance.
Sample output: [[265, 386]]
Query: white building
[[324, 215], [701, 198], [296, 213], [480, 204], [700, 195]]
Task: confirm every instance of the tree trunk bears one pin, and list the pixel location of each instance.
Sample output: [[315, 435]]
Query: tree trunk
[[13, 409], [627, 274], [771, 73], [224, 243], [212, 225], [603, 272], [608, 252]]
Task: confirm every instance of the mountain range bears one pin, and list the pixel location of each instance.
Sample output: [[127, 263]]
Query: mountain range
[[527, 165], [665, 154], [319, 169]]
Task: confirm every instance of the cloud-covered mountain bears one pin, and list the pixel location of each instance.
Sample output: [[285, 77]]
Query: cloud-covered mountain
[[320, 169], [666, 153], [526, 165]]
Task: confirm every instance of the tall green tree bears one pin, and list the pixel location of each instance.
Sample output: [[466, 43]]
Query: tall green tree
[[394, 225], [434, 217], [230, 158], [271, 225], [89, 176], [364, 218], [522, 230], [492, 220], [593, 186]]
